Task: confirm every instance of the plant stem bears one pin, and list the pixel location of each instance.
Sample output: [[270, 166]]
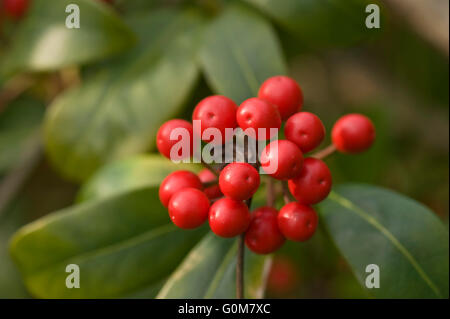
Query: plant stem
[[240, 261], [270, 192], [209, 184], [210, 167], [286, 197], [330, 149], [240, 268]]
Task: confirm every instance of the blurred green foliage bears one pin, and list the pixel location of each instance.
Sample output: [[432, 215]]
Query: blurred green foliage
[[18, 124]]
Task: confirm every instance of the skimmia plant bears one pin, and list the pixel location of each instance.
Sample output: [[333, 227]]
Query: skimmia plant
[[240, 166]]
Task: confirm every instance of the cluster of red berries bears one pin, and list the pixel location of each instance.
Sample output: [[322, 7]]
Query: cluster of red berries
[[309, 180]]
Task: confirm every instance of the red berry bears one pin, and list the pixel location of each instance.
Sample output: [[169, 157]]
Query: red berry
[[188, 208], [283, 92], [164, 143], [263, 235], [218, 112], [256, 113], [239, 181], [207, 176], [313, 184], [283, 276], [229, 217], [353, 133], [297, 222], [282, 159], [175, 182], [304, 129], [16, 8]]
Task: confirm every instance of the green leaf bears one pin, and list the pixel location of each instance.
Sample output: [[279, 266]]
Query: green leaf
[[209, 271], [371, 225], [44, 43], [11, 218], [137, 5], [240, 51], [129, 174], [118, 111], [19, 124], [318, 23], [123, 245]]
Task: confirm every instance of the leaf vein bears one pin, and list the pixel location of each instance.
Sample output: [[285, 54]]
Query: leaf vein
[[397, 244], [220, 271], [111, 248]]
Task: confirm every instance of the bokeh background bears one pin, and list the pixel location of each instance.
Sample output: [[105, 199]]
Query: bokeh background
[[398, 75]]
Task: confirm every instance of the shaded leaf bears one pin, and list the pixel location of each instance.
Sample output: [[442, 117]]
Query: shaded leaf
[[11, 218], [44, 43], [240, 51], [318, 23], [371, 225], [19, 123], [137, 5], [209, 271], [118, 111], [124, 244]]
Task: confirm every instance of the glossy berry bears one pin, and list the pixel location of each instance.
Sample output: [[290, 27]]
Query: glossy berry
[[263, 235], [175, 182], [218, 112], [239, 181], [255, 114], [229, 217], [284, 93], [164, 143], [297, 222], [313, 184], [304, 129], [188, 208], [353, 133], [15, 8], [282, 159], [213, 191]]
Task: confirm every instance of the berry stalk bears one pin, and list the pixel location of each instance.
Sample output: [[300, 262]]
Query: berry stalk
[[330, 149], [286, 198], [240, 268], [270, 193], [240, 261], [212, 169]]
